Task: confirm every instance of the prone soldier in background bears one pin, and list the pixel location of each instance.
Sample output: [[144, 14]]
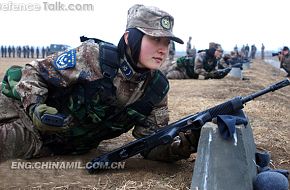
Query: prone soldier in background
[[204, 63]]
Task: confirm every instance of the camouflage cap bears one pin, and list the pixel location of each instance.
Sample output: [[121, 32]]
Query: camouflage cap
[[217, 46], [151, 21]]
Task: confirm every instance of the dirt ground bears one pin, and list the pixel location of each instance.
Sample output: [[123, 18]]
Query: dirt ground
[[269, 118]]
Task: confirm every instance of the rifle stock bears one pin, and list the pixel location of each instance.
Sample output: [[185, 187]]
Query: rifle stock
[[192, 122]]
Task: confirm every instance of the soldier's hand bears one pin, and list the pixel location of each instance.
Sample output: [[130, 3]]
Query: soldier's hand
[[37, 111], [221, 73], [184, 144], [210, 75]]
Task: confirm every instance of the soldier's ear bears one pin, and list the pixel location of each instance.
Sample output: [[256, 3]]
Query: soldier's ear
[[126, 35]]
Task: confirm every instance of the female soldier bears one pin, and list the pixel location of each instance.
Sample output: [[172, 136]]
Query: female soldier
[[71, 101]]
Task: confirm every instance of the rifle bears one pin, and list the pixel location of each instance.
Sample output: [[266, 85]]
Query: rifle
[[192, 122], [276, 54], [221, 73]]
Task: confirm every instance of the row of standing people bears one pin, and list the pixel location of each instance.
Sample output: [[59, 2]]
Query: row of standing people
[[248, 52], [24, 52]]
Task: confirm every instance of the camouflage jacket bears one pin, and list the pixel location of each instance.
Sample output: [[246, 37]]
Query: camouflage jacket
[[202, 66], [47, 79], [285, 61]]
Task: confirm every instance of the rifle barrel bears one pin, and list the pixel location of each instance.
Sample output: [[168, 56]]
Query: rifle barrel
[[272, 88]]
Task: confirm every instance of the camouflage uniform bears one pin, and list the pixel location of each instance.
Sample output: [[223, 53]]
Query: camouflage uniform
[[285, 60], [206, 65], [70, 82], [182, 69], [18, 137], [201, 64]]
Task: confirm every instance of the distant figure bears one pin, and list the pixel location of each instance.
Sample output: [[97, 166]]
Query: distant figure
[[2, 51], [24, 51], [9, 51], [5, 51], [32, 51], [253, 51], [188, 46], [47, 51], [37, 52], [171, 50], [43, 52], [27, 51], [243, 51], [247, 50], [193, 51], [13, 51], [263, 51], [236, 49], [19, 51]]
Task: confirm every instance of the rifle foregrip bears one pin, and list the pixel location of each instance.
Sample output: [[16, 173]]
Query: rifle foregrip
[[228, 107]]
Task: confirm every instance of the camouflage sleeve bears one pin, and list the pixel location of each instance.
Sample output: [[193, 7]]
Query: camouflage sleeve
[[58, 71], [198, 65], [31, 88], [286, 63], [158, 118], [223, 64]]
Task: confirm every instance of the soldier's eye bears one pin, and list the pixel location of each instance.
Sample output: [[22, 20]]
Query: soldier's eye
[[158, 39]]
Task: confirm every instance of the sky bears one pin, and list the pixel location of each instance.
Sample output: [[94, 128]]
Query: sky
[[228, 22]]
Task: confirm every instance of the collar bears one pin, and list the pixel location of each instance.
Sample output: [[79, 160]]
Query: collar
[[130, 74]]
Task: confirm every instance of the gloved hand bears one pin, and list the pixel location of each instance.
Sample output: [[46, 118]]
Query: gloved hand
[[37, 111], [185, 144], [221, 73], [209, 75]]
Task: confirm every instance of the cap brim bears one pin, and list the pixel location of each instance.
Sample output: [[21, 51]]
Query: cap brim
[[161, 33]]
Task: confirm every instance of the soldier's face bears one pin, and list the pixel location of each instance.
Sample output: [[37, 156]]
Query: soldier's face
[[154, 51], [285, 52], [218, 54]]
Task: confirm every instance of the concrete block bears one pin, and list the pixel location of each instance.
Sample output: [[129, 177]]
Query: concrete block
[[225, 164], [236, 72], [246, 65]]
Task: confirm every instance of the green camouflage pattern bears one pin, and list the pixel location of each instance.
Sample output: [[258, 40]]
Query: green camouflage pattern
[[18, 137]]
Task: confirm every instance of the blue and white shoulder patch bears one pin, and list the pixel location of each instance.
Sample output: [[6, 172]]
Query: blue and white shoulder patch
[[65, 60], [126, 70]]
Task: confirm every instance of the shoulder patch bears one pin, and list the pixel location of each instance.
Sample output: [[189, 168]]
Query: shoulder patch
[[126, 70], [65, 60]]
